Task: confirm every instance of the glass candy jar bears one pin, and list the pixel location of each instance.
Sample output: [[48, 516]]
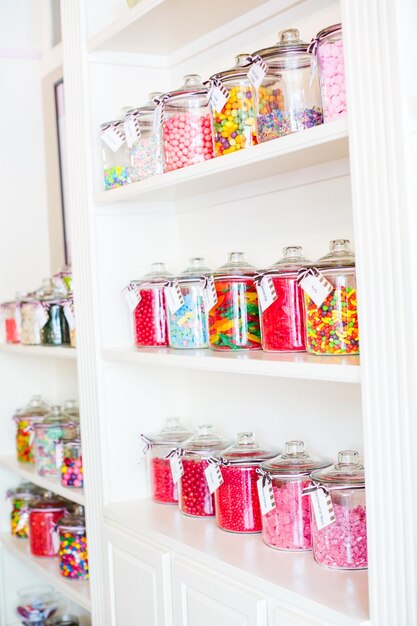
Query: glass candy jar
[[332, 327], [43, 516], [328, 48], [12, 320], [186, 125], [236, 500], [37, 603], [289, 95], [72, 472], [64, 620], [287, 526], [48, 434], [31, 328], [63, 279], [70, 407], [150, 318], [283, 320], [235, 124], [115, 154], [25, 420], [343, 543], [73, 555], [144, 142], [19, 498], [234, 319], [195, 498], [54, 325], [188, 325]]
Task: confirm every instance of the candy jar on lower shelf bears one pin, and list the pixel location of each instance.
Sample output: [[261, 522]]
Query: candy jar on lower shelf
[[25, 420], [36, 604], [234, 319], [73, 555], [236, 499], [144, 141], [115, 154], [281, 304], [43, 516], [48, 434], [64, 620], [195, 498], [188, 319], [72, 471], [287, 525], [19, 498], [342, 542]]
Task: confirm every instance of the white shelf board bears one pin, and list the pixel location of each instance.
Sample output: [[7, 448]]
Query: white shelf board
[[57, 352], [28, 472], [281, 365], [48, 568], [298, 577], [307, 148]]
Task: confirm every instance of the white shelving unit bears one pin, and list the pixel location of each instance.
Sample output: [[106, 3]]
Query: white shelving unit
[[55, 352]]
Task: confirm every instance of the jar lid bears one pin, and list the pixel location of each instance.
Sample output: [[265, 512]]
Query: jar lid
[[63, 620], [340, 255], [236, 264], [172, 433], [50, 290], [205, 440], [72, 518], [158, 274], [294, 461], [70, 407], [25, 491], [48, 502], [36, 407], [293, 259], [240, 70], [114, 123], [246, 450], [193, 86], [347, 471], [56, 416], [329, 30], [36, 603], [147, 108], [196, 269], [289, 43]]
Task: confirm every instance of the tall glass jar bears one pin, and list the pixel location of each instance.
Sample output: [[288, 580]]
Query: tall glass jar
[[144, 141], [54, 327], [332, 327], [186, 125], [188, 326], [150, 318], [115, 154], [12, 320], [43, 516], [283, 321], [343, 543], [235, 123], [195, 498], [72, 471], [25, 420], [234, 319], [36, 604], [19, 498], [289, 95], [288, 525], [48, 434], [328, 47], [31, 327], [236, 500], [73, 555]]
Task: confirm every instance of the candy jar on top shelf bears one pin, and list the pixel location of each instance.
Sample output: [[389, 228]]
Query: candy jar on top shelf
[[73, 555], [289, 95], [20, 497], [236, 499], [186, 124], [50, 432], [234, 319], [287, 526], [43, 515], [188, 325], [115, 154], [342, 543], [144, 141], [282, 307], [195, 498], [235, 122], [25, 420], [54, 325]]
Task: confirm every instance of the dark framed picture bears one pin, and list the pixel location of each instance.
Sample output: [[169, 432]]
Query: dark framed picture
[[63, 166]]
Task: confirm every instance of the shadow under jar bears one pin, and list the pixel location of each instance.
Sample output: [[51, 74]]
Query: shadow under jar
[[25, 420], [19, 498], [288, 525], [144, 141], [43, 516], [73, 554], [55, 427]]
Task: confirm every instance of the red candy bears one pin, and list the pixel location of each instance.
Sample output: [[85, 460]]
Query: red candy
[[41, 529], [188, 139], [150, 318], [237, 502], [194, 495], [12, 334], [163, 488], [282, 323], [288, 527]]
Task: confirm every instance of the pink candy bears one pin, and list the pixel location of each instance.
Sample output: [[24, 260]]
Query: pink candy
[[287, 527], [188, 139], [332, 79]]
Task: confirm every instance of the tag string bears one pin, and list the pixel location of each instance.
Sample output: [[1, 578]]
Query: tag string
[[266, 476], [315, 486], [148, 443]]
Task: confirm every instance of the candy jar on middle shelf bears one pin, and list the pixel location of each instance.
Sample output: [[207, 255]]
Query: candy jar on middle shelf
[[43, 515], [73, 555], [194, 495], [25, 420], [54, 326], [236, 499], [115, 154], [234, 319], [20, 497], [281, 304], [72, 471], [188, 325], [31, 327], [12, 319], [287, 526], [49, 433], [144, 141]]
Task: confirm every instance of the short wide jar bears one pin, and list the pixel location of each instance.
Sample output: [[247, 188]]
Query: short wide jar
[[73, 555]]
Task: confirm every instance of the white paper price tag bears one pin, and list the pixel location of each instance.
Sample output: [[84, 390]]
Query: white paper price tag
[[69, 315], [132, 295], [55, 540], [112, 139], [267, 294], [41, 316], [323, 508], [132, 130], [317, 287], [210, 293], [59, 454], [214, 477], [174, 297], [257, 73], [266, 496], [218, 96], [177, 468], [24, 518], [158, 116]]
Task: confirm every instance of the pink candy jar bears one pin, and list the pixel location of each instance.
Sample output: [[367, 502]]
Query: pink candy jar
[[236, 500], [195, 498], [186, 125], [328, 47], [12, 320], [343, 543], [287, 526], [72, 471], [144, 143], [163, 489]]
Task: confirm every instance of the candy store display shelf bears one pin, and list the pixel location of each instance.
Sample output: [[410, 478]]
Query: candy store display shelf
[[57, 352], [78, 591], [28, 472]]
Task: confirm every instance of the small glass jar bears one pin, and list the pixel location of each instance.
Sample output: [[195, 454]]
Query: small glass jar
[[43, 516], [332, 328], [55, 427], [234, 319], [289, 95], [195, 498], [288, 525], [343, 543], [55, 330], [328, 47], [36, 604], [188, 326], [31, 328], [236, 500], [63, 279], [73, 555], [115, 154], [186, 127], [163, 489], [12, 321], [283, 322], [235, 124], [19, 498], [72, 472], [25, 420], [144, 142], [150, 318]]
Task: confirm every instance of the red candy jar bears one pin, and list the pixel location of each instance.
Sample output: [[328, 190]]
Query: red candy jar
[[43, 516], [283, 320], [236, 500], [12, 320], [150, 319], [195, 498]]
